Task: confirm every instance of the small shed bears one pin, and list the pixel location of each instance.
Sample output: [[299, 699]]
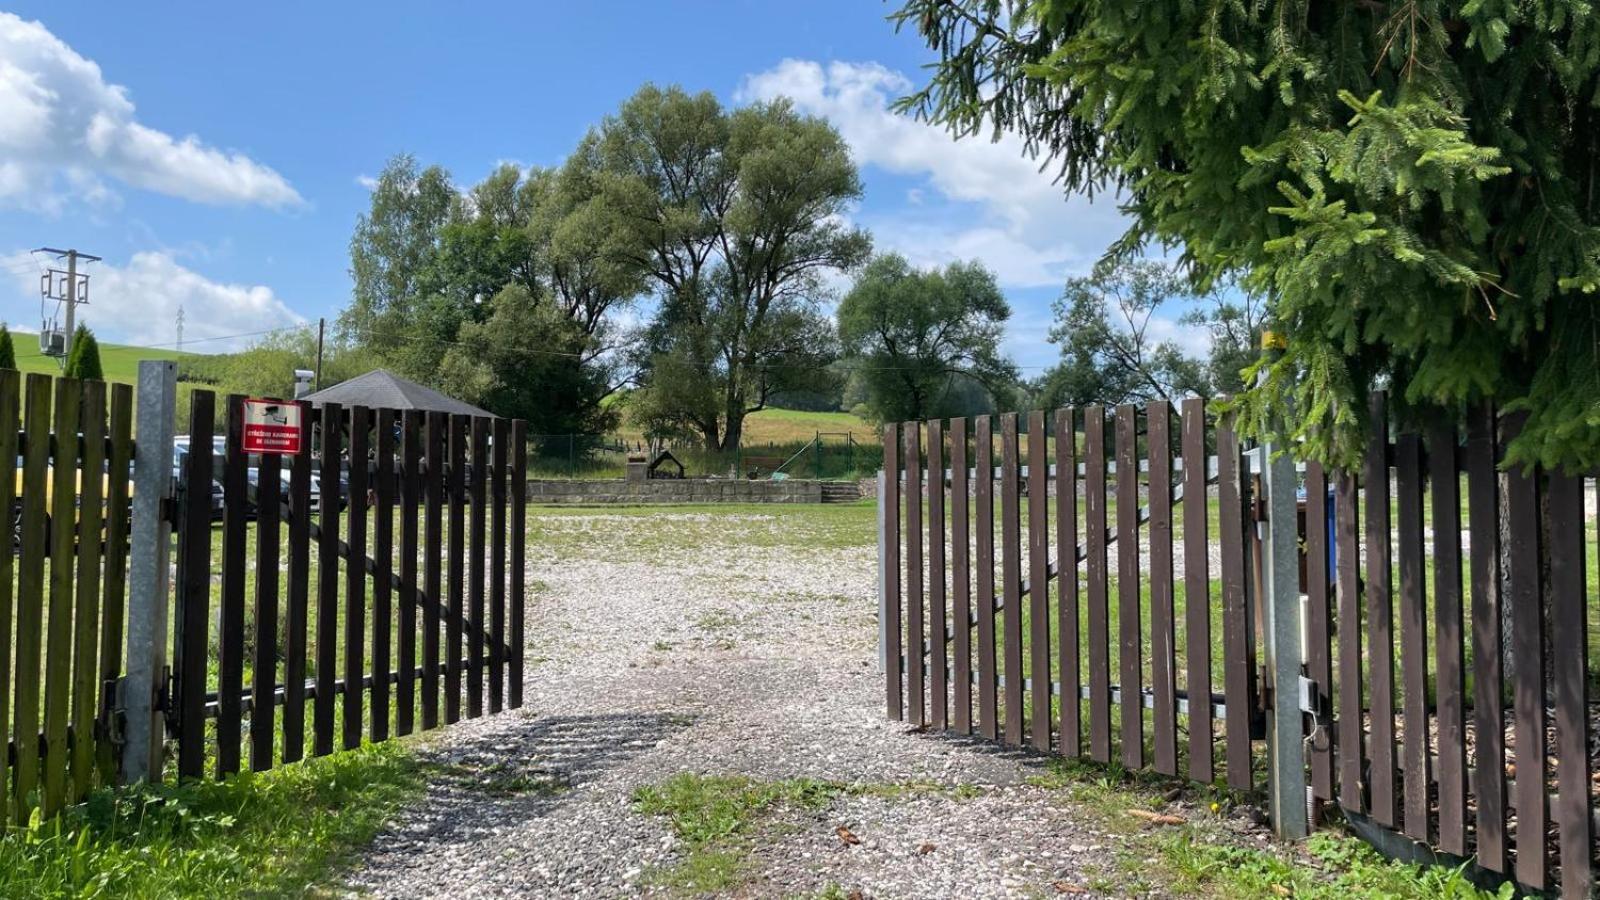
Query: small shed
[[665, 465], [382, 389]]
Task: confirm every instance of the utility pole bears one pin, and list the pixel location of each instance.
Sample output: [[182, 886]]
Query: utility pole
[[180, 328], [71, 297], [322, 323]]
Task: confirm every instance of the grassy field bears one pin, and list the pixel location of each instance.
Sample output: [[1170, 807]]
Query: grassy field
[[120, 363], [851, 447], [785, 427]]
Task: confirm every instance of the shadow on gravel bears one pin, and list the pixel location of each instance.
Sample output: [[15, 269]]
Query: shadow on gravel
[[1024, 756], [521, 769]]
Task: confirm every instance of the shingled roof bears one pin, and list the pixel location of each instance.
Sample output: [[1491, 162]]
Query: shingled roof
[[383, 389]]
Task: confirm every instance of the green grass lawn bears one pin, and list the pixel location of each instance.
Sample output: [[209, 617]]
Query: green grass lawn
[[121, 363]]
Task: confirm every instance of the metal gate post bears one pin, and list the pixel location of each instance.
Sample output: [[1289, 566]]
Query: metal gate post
[[1286, 751], [143, 722]]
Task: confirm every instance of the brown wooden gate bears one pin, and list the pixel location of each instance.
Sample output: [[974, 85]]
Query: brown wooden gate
[[1447, 615], [1083, 657], [341, 568]]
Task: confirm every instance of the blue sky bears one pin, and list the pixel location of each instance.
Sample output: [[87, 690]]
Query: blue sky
[[215, 159]]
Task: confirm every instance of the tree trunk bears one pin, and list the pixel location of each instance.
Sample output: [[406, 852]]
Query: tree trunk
[[733, 431], [708, 432]]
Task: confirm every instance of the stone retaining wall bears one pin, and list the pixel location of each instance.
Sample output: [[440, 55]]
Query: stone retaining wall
[[687, 490]]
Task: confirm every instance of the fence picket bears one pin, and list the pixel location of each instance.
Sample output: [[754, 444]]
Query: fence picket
[[1163, 649], [114, 590], [1445, 488], [406, 633], [1011, 576], [894, 662], [1413, 634], [194, 596], [1130, 644], [355, 578], [1569, 676], [264, 671], [1348, 596], [328, 578], [30, 593], [230, 622], [1237, 657], [85, 617], [1070, 739], [1039, 578], [1380, 614], [519, 524], [988, 672], [961, 576], [938, 646], [382, 573], [1488, 704], [58, 625], [915, 649], [1099, 617], [456, 611], [432, 554], [10, 390], [497, 568], [1527, 648], [477, 478], [1197, 592], [297, 602], [1319, 628]]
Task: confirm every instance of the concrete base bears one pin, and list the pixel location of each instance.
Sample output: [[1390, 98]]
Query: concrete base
[[686, 490]]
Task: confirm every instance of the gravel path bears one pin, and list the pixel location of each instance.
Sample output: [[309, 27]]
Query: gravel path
[[727, 644]]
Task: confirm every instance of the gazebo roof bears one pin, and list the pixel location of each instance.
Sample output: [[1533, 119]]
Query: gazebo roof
[[383, 389]]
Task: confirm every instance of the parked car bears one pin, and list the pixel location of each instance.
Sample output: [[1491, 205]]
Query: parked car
[[252, 473]]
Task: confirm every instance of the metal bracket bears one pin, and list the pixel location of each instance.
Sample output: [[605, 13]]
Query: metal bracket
[[1308, 696]]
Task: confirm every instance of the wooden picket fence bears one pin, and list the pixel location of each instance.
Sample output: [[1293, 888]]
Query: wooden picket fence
[[64, 475], [445, 617], [1143, 648], [402, 612]]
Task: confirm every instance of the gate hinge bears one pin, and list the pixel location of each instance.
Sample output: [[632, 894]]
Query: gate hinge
[[108, 724]]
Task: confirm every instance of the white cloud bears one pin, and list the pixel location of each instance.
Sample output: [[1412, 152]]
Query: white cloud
[[138, 304], [64, 131], [1027, 230], [367, 181]]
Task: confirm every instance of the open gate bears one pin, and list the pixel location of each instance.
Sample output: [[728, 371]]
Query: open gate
[[1427, 672]]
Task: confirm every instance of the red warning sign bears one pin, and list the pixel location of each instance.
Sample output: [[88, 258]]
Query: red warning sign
[[272, 426]]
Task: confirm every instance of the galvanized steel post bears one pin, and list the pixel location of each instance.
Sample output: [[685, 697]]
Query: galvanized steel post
[[143, 721]]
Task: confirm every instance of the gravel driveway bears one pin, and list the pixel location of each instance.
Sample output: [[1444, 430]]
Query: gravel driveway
[[725, 642]]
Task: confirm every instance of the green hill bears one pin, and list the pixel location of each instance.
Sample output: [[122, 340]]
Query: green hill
[[121, 363]]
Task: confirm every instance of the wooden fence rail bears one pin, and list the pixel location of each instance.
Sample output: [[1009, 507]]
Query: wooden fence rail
[[1445, 616]]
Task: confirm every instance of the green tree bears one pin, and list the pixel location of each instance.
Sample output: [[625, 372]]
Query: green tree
[[527, 360], [1234, 319], [399, 306], [8, 352], [84, 359], [1108, 354], [433, 270], [1411, 184], [735, 218], [266, 369], [914, 336]]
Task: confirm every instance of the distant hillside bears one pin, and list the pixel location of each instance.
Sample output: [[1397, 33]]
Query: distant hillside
[[120, 362], [785, 427]]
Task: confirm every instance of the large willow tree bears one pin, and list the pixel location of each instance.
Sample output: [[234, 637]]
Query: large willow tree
[[1414, 184]]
